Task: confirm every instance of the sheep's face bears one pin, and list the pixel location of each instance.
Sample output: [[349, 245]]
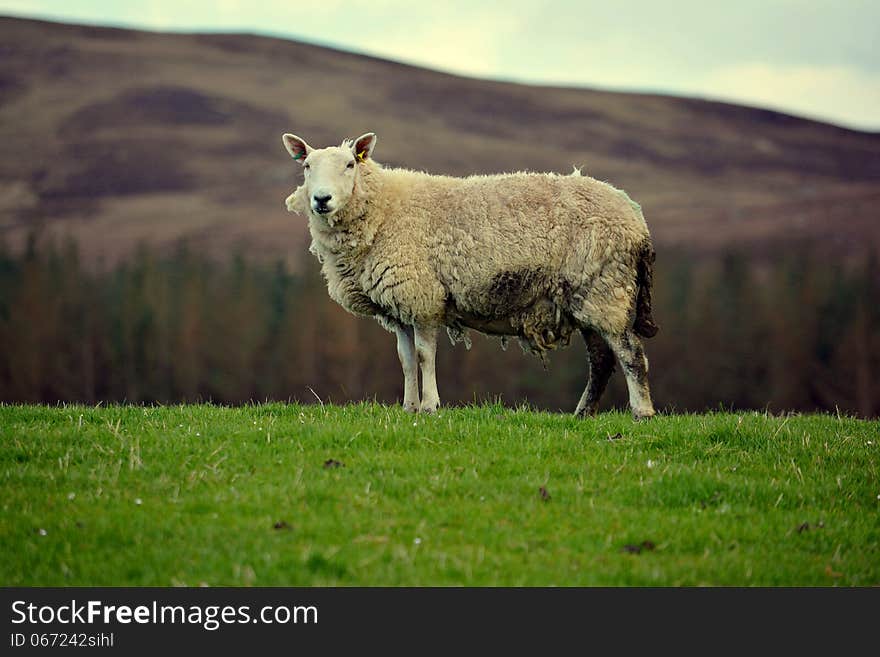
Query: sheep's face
[[330, 173]]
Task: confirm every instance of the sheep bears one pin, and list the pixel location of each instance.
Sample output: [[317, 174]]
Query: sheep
[[535, 256]]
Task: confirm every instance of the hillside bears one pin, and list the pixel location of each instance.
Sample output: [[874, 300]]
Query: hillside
[[118, 137]]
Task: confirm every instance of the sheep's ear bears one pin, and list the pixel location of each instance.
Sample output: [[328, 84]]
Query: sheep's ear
[[298, 148], [364, 145]]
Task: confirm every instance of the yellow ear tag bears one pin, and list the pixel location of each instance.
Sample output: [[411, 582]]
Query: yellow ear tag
[[362, 156]]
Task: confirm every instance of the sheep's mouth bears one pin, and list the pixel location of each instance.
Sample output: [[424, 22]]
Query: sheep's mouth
[[323, 209]]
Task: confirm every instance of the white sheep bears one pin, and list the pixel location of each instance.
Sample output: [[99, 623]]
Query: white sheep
[[530, 255]]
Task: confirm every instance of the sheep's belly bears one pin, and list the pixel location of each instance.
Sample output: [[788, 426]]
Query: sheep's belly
[[500, 326], [541, 327]]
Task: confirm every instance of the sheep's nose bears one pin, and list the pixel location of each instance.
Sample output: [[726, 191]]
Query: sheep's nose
[[322, 200]]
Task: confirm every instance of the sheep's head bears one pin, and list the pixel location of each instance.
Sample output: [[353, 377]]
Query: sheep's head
[[330, 173]]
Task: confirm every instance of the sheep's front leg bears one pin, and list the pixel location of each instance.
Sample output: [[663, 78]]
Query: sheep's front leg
[[426, 348], [406, 351]]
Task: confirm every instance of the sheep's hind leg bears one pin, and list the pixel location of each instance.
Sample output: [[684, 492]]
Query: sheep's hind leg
[[426, 348], [628, 349], [406, 351], [600, 362]]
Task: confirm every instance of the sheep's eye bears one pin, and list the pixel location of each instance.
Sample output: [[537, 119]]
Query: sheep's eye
[[350, 165], [306, 166]]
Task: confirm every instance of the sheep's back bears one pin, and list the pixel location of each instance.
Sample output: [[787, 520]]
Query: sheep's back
[[502, 242]]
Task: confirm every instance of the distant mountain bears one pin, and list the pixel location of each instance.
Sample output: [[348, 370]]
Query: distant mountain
[[118, 137]]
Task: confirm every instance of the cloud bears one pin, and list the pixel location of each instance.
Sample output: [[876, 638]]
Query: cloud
[[474, 47]]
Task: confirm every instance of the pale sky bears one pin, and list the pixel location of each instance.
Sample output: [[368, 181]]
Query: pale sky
[[814, 58]]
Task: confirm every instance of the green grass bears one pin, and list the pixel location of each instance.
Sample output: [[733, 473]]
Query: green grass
[[190, 495]]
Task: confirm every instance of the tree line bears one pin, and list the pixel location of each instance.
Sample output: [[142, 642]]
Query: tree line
[[737, 332]]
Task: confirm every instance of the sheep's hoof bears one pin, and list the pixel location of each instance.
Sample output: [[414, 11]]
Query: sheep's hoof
[[429, 408], [643, 414], [411, 407], [587, 411]]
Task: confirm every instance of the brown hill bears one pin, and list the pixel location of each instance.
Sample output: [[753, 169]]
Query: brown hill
[[118, 137]]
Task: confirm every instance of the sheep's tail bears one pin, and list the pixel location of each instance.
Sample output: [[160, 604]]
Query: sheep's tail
[[644, 324]]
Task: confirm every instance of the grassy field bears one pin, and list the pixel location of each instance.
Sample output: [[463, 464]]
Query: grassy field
[[365, 494]]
